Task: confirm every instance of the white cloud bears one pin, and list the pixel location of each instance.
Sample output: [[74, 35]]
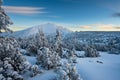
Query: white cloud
[[99, 27], [85, 27], [24, 10], [105, 26]]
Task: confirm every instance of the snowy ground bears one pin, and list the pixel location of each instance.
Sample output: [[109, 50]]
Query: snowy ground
[[89, 68], [46, 75]]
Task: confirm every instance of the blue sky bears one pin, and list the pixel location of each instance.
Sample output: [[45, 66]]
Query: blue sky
[[73, 14]]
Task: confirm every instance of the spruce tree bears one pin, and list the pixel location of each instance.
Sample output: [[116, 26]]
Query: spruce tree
[[4, 19], [58, 43]]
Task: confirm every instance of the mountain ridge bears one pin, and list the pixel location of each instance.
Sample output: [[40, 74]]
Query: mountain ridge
[[48, 28]]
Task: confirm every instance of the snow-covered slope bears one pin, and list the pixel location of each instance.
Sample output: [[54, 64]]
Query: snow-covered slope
[[48, 28], [90, 69]]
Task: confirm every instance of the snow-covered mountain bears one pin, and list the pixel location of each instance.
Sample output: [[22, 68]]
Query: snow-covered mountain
[[48, 28]]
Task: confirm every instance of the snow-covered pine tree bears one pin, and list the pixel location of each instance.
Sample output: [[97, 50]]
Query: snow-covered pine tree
[[12, 62], [9, 65], [38, 41], [58, 43], [34, 44], [31, 47], [4, 19], [48, 59], [72, 56], [41, 39]]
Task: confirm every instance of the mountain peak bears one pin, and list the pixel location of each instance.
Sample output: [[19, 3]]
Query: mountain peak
[[48, 28]]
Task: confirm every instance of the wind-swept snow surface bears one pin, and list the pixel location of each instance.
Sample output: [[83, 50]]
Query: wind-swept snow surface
[[106, 67]]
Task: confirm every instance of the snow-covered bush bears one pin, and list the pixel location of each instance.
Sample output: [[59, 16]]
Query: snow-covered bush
[[114, 46], [67, 72], [114, 51], [80, 54], [69, 54], [100, 46], [90, 52], [48, 59], [72, 59]]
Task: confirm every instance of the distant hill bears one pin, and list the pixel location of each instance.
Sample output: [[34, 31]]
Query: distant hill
[[48, 28]]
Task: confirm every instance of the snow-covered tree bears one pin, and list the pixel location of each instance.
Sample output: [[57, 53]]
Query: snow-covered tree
[[69, 54], [48, 59], [67, 72], [41, 39], [58, 43], [12, 62], [90, 52], [4, 19], [31, 47], [32, 44]]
